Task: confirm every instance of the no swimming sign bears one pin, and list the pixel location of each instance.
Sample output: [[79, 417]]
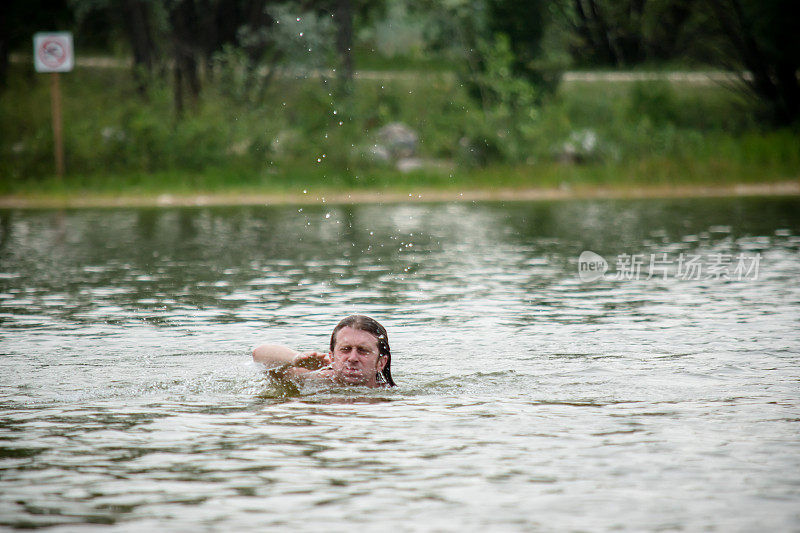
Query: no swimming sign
[[52, 52]]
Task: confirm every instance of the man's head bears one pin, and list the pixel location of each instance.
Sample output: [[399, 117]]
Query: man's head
[[360, 351]]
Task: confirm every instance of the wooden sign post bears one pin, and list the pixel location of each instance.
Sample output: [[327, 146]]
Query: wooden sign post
[[52, 52]]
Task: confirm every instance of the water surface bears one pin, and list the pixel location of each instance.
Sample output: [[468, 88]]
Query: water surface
[[528, 400]]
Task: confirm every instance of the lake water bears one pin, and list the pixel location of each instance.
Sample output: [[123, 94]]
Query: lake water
[[528, 400]]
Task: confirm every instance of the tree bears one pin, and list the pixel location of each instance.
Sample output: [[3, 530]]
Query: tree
[[139, 28], [344, 41], [610, 31], [756, 38], [523, 23], [184, 34], [624, 33], [763, 39], [20, 20]]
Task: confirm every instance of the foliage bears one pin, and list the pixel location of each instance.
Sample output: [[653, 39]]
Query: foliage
[[300, 43], [402, 31], [523, 24], [297, 135], [762, 38], [270, 112], [754, 36], [654, 100], [184, 41], [627, 32], [510, 108]]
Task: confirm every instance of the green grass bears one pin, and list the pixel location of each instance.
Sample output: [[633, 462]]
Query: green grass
[[242, 138]]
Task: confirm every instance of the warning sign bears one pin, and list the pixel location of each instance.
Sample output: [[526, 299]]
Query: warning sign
[[52, 52]]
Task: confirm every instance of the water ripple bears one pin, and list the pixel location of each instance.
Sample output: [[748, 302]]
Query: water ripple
[[528, 400]]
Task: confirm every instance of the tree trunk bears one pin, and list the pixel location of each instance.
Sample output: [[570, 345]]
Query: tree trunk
[[183, 19], [344, 42], [4, 9], [177, 90], [593, 28], [137, 23], [630, 34]]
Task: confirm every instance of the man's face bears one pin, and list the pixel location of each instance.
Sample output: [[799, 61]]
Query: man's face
[[356, 359]]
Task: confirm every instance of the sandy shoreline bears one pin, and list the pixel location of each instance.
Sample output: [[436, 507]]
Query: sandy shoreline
[[784, 188]]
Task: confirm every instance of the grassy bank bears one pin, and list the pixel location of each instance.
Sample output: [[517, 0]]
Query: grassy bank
[[303, 133]]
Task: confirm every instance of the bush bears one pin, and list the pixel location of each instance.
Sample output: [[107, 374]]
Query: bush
[[300, 133], [654, 101]]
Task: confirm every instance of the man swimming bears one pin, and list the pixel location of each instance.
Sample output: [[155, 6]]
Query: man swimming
[[359, 355]]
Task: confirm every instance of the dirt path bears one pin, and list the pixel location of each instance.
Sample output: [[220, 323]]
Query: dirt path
[[693, 77]]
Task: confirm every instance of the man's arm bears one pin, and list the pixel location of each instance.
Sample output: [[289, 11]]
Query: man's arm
[[274, 355], [287, 362]]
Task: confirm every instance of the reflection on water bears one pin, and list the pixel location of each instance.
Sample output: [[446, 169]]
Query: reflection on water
[[528, 400]]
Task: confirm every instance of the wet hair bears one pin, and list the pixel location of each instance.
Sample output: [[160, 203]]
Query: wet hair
[[365, 323]]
